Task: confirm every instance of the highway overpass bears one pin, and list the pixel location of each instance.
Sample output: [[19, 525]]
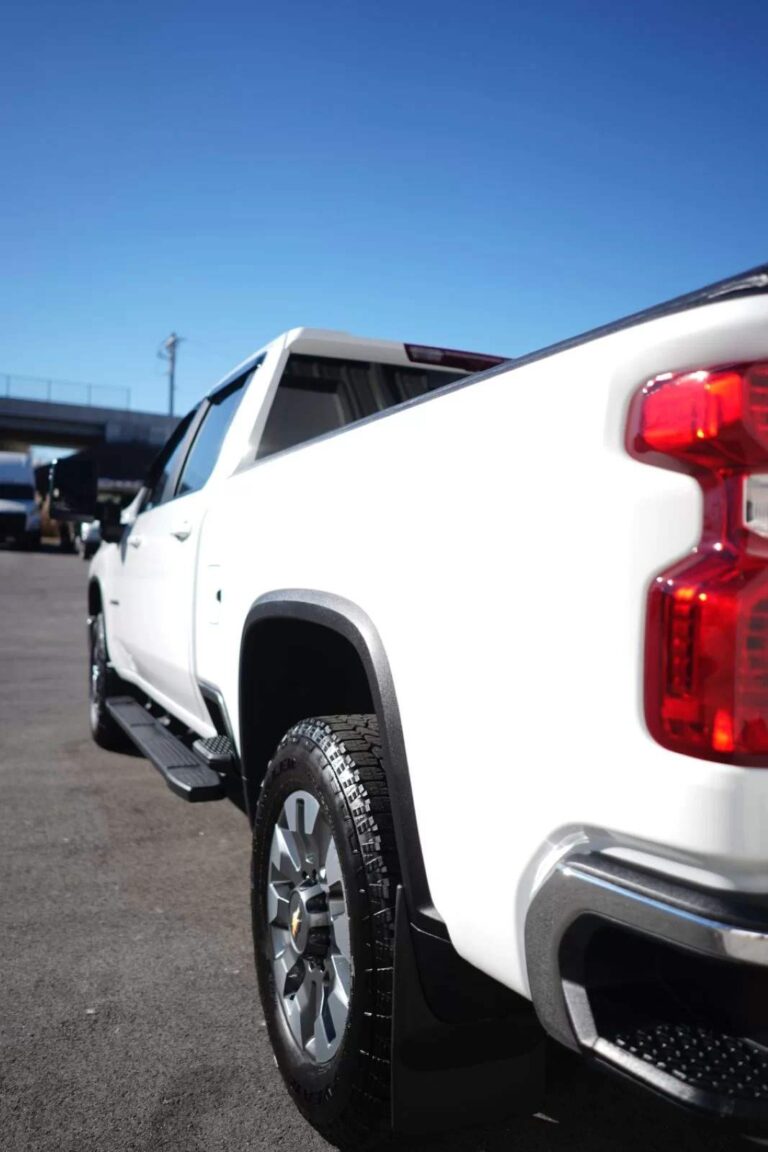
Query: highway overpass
[[24, 422]]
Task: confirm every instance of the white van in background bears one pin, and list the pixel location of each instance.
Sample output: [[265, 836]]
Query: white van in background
[[19, 512]]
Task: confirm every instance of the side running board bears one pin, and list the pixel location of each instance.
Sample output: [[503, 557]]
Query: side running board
[[186, 773]]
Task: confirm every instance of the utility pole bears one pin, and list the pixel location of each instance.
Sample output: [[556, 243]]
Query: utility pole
[[168, 352]]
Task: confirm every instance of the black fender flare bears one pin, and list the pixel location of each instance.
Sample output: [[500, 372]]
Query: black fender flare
[[349, 621]]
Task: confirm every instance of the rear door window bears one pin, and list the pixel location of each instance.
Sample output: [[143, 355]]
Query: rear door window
[[210, 436], [162, 474]]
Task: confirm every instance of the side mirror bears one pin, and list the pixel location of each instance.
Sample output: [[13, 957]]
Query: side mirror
[[111, 522], [73, 485]]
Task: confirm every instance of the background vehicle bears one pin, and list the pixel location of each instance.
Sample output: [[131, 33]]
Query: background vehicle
[[503, 751], [19, 511]]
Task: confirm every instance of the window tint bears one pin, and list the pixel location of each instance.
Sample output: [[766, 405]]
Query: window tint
[[164, 469], [319, 394], [315, 395], [210, 436], [399, 383]]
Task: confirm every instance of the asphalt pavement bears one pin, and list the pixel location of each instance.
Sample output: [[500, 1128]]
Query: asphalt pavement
[[129, 1017]]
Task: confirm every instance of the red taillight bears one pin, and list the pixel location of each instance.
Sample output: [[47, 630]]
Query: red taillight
[[706, 646], [707, 420]]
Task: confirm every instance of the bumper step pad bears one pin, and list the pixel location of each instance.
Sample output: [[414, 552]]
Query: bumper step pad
[[700, 1057], [183, 770]]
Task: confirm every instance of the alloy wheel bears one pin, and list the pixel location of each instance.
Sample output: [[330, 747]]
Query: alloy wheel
[[308, 924]]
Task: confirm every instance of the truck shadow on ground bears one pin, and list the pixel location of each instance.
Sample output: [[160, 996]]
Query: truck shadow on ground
[[588, 1111]]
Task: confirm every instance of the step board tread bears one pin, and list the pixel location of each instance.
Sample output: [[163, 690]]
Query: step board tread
[[215, 750], [184, 772]]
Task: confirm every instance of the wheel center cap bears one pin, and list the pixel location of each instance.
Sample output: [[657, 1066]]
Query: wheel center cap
[[298, 921]]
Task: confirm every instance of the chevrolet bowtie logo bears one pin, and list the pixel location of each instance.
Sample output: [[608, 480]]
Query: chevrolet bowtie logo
[[295, 922]]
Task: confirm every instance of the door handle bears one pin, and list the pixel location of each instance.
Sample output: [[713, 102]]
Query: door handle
[[134, 541], [182, 532]]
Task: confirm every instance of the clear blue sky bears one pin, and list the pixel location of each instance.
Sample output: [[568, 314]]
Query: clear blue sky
[[489, 175]]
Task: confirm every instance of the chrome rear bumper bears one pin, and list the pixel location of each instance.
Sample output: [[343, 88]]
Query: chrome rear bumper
[[665, 983]]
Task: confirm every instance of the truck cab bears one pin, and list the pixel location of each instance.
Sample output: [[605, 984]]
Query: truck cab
[[19, 511], [307, 384]]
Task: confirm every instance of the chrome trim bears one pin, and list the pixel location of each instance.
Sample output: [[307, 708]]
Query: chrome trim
[[587, 887], [699, 933]]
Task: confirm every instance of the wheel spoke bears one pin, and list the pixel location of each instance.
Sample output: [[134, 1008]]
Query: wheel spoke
[[335, 1010], [306, 1003], [337, 905], [286, 856], [305, 822], [332, 869], [337, 909], [311, 811], [278, 898], [322, 841], [341, 979], [323, 1036], [293, 1014], [300, 812], [283, 965]]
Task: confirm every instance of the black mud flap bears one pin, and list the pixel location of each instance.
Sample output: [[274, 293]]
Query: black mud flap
[[469, 1069]]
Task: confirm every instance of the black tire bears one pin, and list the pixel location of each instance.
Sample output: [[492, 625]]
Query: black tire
[[338, 760], [102, 682], [66, 539]]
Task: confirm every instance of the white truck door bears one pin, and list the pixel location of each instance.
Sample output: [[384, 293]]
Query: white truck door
[[136, 612], [160, 562]]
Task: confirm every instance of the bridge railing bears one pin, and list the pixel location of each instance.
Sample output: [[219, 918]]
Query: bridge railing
[[63, 391]]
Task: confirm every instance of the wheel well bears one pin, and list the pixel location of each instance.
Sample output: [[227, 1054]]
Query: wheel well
[[291, 669], [94, 598]]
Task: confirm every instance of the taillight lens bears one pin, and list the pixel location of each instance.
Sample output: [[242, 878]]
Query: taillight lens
[[708, 420], [706, 647]]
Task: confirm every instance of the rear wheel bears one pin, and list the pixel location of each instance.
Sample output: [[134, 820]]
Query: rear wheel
[[102, 682], [325, 877]]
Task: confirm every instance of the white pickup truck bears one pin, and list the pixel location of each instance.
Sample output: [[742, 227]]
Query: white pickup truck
[[481, 649]]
